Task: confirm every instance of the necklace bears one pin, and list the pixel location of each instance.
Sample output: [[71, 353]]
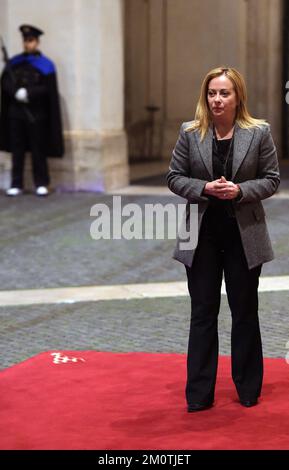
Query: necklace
[[215, 142]]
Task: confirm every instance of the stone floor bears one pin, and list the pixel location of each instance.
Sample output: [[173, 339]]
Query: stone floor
[[46, 243]]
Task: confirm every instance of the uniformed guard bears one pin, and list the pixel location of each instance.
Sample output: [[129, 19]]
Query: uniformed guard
[[30, 113]]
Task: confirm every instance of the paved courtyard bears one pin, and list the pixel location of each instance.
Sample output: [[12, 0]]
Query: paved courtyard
[[46, 244]]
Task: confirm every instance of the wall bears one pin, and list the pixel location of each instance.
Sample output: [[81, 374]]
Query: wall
[[170, 46]]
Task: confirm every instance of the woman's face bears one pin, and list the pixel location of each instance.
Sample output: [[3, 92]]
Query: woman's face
[[222, 99]]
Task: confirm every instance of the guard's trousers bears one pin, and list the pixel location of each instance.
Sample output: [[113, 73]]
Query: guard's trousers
[[23, 135]]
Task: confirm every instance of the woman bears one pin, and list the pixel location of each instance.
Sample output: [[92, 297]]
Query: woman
[[226, 162]]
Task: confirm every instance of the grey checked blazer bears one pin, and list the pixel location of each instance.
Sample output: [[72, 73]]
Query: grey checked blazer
[[255, 169]]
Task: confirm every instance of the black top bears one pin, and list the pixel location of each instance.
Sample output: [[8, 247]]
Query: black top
[[221, 168], [220, 154]]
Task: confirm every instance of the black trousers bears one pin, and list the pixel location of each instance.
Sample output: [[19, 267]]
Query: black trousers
[[220, 250], [23, 135]]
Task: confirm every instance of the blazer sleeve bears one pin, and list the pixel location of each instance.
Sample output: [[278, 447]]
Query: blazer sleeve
[[179, 177], [268, 176]]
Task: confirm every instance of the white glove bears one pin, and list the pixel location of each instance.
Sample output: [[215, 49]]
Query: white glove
[[22, 95]]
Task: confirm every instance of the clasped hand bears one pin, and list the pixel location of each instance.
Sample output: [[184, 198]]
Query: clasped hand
[[222, 189]]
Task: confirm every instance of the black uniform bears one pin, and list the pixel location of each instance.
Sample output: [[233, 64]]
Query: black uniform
[[35, 126]]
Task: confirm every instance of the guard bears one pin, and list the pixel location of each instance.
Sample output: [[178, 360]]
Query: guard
[[30, 118]]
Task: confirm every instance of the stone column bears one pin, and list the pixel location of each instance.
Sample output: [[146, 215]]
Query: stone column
[[85, 40], [264, 62]]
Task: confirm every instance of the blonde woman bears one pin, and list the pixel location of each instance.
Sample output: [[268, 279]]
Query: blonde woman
[[225, 161]]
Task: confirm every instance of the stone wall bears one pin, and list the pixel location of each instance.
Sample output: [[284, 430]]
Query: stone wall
[[116, 57], [172, 44]]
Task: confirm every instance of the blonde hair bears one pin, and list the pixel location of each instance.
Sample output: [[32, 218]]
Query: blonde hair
[[243, 118]]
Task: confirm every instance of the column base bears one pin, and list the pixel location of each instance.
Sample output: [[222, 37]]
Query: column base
[[93, 161]]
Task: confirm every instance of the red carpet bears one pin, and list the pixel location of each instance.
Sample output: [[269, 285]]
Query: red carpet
[[134, 401]]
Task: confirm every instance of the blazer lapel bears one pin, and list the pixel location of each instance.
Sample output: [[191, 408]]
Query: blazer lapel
[[242, 141], [205, 148]]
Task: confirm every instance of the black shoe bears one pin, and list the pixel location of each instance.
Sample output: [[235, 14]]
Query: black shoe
[[192, 407], [249, 403]]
